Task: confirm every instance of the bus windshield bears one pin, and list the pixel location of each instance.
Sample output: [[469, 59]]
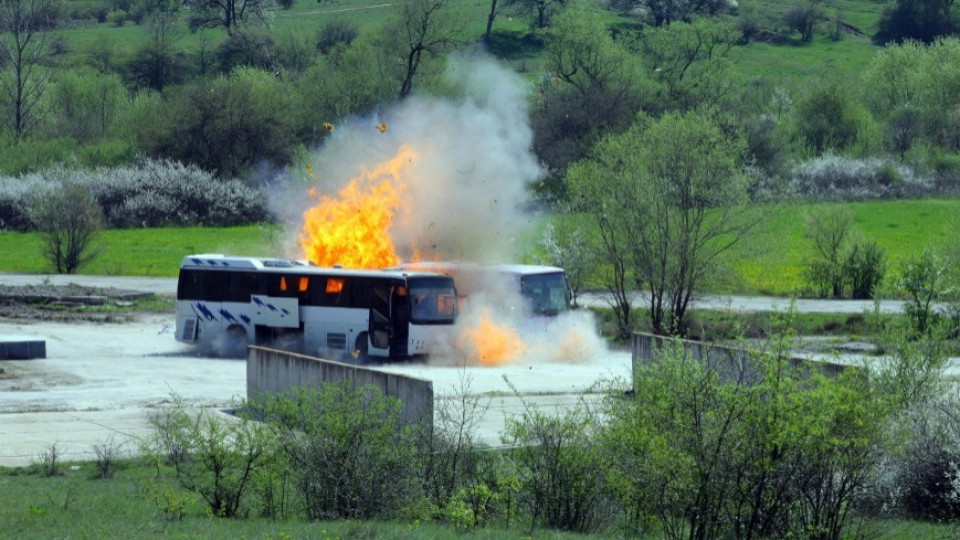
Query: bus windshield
[[432, 300], [546, 293]]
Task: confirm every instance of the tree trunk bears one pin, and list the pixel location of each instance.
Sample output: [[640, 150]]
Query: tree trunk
[[490, 17]]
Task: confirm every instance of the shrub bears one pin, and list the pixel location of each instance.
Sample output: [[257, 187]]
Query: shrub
[[560, 469], [839, 178], [924, 279], [336, 32], [864, 268], [150, 194], [68, 219], [349, 453], [220, 457]]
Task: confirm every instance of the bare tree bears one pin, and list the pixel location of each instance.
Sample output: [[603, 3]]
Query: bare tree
[[23, 45], [228, 13], [69, 220], [423, 28]]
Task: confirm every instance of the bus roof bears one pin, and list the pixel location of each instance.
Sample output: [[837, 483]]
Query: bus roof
[[444, 267], [219, 261]]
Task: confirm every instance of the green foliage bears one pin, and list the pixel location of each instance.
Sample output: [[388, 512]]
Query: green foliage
[[920, 20], [213, 456], [827, 117], [350, 455], [87, 104], [248, 45], [667, 200], [559, 464], [864, 268], [829, 230], [924, 279], [742, 444], [225, 125], [594, 88], [690, 61]]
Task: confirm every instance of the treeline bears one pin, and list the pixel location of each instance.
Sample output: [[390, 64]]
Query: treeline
[[243, 94]]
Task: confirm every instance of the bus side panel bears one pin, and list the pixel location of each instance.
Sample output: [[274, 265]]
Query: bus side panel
[[332, 331], [426, 338], [276, 312]]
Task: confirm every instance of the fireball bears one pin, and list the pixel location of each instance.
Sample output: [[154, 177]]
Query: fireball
[[353, 229]]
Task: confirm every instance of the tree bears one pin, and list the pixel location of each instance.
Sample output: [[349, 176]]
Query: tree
[[827, 116], [921, 20], [668, 198], [69, 220], [690, 61], [87, 103], [23, 44], [228, 13], [226, 124], [664, 12], [542, 10], [418, 32], [802, 18], [157, 63], [829, 230], [595, 88]]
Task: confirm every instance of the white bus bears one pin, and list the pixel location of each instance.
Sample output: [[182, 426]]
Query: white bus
[[226, 302], [542, 288]]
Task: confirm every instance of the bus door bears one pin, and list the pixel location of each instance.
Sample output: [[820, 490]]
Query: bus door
[[400, 302], [380, 326]]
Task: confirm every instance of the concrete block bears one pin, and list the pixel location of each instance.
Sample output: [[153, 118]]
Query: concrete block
[[19, 348]]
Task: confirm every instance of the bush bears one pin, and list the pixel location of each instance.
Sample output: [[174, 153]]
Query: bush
[[838, 178], [864, 268], [149, 194], [218, 457], [68, 219], [560, 469], [336, 32], [350, 455]]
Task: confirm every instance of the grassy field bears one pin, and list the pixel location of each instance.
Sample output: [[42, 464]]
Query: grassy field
[[772, 261], [143, 252], [513, 39], [133, 504]]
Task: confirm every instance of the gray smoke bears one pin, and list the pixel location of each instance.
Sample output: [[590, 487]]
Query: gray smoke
[[467, 188]]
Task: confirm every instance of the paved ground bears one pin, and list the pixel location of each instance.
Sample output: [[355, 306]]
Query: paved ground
[[103, 380]]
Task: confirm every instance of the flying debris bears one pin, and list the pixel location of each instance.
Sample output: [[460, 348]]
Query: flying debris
[[382, 127]]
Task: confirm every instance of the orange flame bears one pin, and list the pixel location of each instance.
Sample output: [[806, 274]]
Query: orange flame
[[489, 343], [353, 229]]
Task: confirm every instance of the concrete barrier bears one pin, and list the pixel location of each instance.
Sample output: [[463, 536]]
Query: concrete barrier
[[275, 371], [731, 363], [16, 348]]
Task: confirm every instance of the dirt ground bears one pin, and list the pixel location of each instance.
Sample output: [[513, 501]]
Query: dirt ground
[[48, 302]]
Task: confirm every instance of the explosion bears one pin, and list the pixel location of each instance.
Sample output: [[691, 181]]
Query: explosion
[[353, 229], [490, 344]]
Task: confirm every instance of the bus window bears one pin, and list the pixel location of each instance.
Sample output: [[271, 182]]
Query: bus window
[[303, 284], [546, 293], [334, 285], [432, 300]]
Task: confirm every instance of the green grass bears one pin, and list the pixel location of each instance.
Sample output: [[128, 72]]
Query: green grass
[[773, 263], [143, 252], [76, 505]]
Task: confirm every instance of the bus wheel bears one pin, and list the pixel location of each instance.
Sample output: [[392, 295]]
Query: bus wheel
[[234, 342], [360, 349]]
